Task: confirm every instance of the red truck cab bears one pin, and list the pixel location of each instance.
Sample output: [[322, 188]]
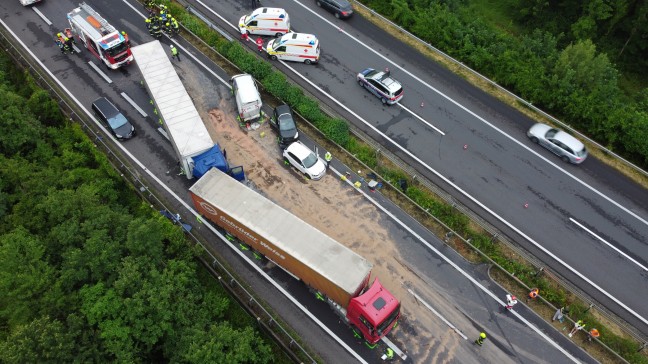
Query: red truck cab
[[374, 313]]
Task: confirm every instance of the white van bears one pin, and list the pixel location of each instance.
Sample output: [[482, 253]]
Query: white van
[[297, 47], [266, 21], [248, 100]]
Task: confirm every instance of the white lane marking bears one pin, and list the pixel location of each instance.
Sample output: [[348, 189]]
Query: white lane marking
[[193, 212], [404, 108], [393, 346], [183, 48], [100, 72], [420, 118], [608, 244], [456, 267], [478, 117], [41, 15], [453, 185], [473, 199], [77, 50], [446, 180], [429, 307], [133, 104]]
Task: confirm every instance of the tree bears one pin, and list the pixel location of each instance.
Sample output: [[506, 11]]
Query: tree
[[42, 340], [223, 344], [25, 276]]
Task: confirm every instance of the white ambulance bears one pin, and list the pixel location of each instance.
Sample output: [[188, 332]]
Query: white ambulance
[[296, 47], [266, 21]]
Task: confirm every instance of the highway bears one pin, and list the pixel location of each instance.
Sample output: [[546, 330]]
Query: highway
[[588, 223], [462, 294]]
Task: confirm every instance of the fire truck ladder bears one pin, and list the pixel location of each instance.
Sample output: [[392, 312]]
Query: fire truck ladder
[[104, 27]]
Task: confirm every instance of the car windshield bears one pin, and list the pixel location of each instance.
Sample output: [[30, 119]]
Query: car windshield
[[310, 160], [551, 133], [286, 122], [370, 74], [119, 48], [117, 121]]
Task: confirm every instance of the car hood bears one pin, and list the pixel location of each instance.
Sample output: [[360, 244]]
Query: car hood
[[125, 131], [318, 170]]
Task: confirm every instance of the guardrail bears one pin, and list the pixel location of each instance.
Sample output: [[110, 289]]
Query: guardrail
[[496, 235], [265, 319], [493, 83]]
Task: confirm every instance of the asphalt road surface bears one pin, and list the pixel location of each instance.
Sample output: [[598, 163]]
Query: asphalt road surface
[[463, 294], [587, 222]]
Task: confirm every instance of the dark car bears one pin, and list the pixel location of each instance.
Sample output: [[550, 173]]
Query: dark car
[[341, 8], [113, 119], [282, 120]]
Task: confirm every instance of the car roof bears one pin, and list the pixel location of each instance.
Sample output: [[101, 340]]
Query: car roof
[[298, 38], [268, 12], [573, 143], [106, 107], [387, 81], [300, 150]]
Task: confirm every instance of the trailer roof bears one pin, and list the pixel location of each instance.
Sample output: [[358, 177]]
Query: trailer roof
[[183, 123], [286, 231]]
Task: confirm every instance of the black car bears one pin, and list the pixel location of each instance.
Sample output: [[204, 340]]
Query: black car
[[282, 120], [341, 8], [113, 119]]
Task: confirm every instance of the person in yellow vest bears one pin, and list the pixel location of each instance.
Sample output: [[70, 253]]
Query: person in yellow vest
[[579, 325], [480, 339]]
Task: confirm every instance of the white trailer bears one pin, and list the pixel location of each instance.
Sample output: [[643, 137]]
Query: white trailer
[[196, 150]]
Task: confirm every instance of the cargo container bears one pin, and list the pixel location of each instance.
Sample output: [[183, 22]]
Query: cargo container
[[196, 151], [336, 274]]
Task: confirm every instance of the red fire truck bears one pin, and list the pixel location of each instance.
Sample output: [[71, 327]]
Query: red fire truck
[[101, 38]]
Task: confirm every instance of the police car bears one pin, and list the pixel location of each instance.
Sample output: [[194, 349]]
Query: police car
[[381, 84]]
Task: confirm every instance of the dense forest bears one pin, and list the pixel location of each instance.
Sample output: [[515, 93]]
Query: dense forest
[[564, 58], [88, 273]]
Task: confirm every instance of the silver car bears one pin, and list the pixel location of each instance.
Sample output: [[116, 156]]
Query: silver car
[[307, 162], [568, 148]]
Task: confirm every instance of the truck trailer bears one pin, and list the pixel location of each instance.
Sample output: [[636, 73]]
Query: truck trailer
[[333, 271], [196, 151]]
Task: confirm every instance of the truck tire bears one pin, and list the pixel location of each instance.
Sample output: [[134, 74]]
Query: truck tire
[[308, 61]]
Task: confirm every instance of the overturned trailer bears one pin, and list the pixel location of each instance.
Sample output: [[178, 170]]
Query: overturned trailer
[[196, 150]]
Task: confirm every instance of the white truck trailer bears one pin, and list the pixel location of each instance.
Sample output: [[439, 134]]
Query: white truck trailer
[[196, 150]]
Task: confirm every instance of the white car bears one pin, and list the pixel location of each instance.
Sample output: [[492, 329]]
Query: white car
[[568, 148], [307, 162]]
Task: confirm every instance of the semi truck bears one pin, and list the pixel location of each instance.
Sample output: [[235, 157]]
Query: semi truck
[[183, 126], [336, 273], [99, 37]]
